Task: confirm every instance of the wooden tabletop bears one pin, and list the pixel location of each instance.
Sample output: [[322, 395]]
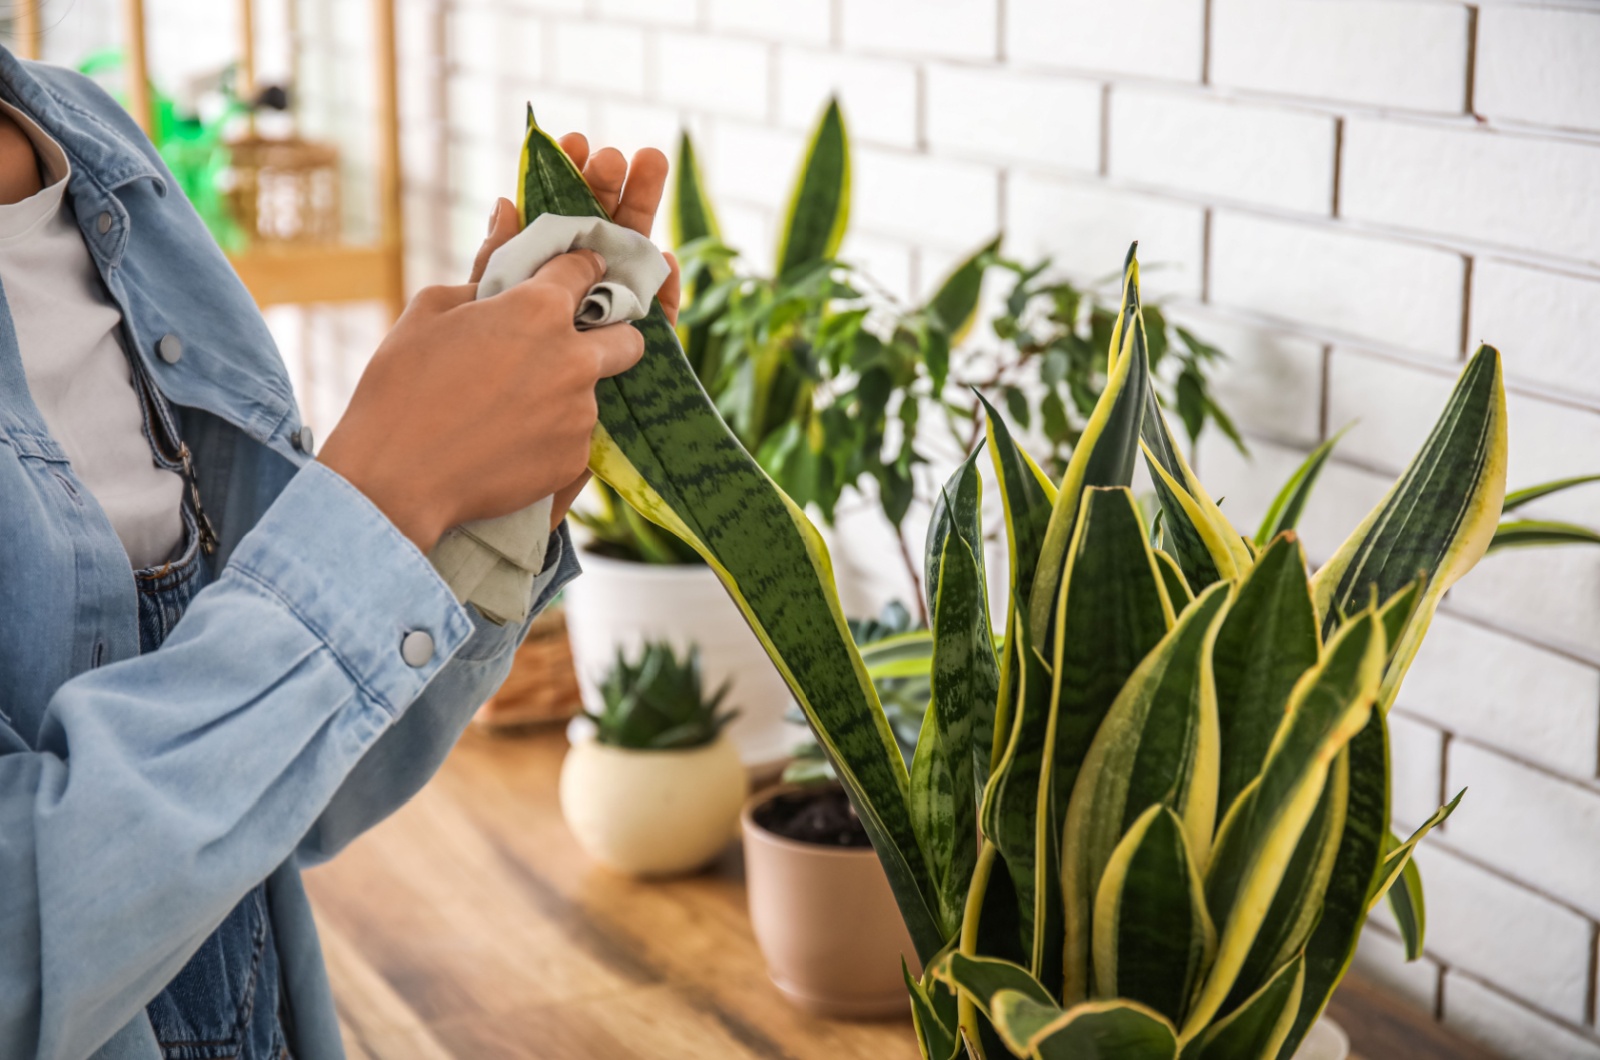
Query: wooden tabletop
[[470, 925]]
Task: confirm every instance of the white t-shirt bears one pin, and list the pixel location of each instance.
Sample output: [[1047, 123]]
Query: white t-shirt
[[69, 332]]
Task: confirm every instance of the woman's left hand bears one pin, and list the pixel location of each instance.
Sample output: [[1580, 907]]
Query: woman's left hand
[[631, 194]]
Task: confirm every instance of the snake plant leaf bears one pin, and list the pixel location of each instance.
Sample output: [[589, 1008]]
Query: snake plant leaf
[[1398, 855], [1105, 452], [1257, 1029], [1111, 612], [1526, 533], [936, 1035], [957, 509], [1295, 907], [1153, 938], [1517, 498], [1095, 1030], [1284, 511], [663, 447], [1178, 590], [1344, 905], [693, 218], [1410, 910], [1268, 639], [1157, 744], [955, 302], [901, 655], [1438, 518], [819, 204], [1330, 704], [981, 978], [965, 680]]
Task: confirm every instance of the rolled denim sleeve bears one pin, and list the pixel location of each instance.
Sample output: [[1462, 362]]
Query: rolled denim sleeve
[[162, 788]]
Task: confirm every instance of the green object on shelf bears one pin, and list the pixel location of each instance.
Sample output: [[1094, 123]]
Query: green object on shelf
[[192, 148]]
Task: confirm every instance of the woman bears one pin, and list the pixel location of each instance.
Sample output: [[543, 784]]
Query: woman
[[162, 782]]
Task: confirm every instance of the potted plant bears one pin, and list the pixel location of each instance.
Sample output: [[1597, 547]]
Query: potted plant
[[1080, 803], [820, 906], [654, 788]]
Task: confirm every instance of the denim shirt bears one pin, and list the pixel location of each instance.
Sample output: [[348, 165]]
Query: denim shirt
[[141, 797]]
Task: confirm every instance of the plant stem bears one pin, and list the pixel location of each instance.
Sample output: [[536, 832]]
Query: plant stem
[[916, 579]]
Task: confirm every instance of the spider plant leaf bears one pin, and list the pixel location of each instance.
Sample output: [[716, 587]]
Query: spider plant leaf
[[1284, 511], [901, 655], [955, 302], [1257, 1029], [1330, 704], [1517, 498], [663, 447], [1153, 938], [1437, 519], [1267, 641], [1157, 745], [1526, 533], [819, 204]]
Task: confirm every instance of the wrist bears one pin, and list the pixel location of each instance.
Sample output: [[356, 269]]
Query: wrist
[[405, 503]]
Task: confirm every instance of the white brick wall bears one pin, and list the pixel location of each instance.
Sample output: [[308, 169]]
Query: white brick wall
[[1346, 195]]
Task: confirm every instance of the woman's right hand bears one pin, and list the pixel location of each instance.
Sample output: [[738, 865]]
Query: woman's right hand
[[473, 409]]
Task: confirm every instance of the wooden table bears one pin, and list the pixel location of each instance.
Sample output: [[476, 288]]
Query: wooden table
[[471, 926]]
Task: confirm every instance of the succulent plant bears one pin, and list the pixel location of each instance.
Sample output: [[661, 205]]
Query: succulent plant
[[658, 703]]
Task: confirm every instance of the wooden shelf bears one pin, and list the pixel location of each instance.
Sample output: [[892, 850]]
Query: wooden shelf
[[289, 274]]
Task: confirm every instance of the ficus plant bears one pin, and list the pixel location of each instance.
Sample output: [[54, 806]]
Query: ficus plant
[[1152, 823]]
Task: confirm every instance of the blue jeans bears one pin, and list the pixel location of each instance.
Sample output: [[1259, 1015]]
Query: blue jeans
[[225, 1003]]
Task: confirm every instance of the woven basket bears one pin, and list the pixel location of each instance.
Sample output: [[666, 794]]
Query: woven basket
[[284, 190], [542, 686]]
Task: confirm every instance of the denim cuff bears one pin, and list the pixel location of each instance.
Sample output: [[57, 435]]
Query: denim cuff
[[343, 569]]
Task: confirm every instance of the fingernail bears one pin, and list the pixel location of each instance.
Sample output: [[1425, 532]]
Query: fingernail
[[494, 215], [599, 259]]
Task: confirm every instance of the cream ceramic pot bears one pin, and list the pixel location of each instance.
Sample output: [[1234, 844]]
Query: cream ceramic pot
[[623, 605], [652, 813], [826, 922]]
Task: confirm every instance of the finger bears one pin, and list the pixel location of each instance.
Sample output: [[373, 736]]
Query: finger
[[671, 292], [564, 498], [440, 298], [647, 179], [576, 145], [606, 170], [572, 274], [617, 347], [502, 226]]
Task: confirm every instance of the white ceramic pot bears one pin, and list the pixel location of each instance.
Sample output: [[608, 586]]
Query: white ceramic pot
[[652, 813], [1326, 1040], [623, 605]]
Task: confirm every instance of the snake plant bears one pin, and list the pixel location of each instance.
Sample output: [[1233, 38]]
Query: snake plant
[[1152, 823]]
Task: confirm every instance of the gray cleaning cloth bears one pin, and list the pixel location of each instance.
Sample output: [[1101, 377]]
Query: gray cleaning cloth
[[493, 562]]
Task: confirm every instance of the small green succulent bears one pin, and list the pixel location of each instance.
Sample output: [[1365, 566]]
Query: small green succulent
[[658, 704]]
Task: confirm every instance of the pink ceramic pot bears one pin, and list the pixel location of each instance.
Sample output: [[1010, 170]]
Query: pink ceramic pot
[[826, 923]]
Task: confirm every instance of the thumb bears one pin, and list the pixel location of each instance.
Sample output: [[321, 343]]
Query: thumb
[[502, 226]]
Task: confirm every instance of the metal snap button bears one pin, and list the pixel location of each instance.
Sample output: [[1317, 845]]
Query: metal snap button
[[304, 441], [103, 223], [170, 348], [417, 648]]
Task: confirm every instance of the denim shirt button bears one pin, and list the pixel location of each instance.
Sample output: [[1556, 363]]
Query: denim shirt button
[[304, 441], [170, 348], [417, 648], [103, 223]]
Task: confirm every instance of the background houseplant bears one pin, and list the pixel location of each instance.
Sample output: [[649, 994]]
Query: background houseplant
[[654, 788]]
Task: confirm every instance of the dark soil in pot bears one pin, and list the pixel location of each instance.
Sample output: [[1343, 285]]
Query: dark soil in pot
[[822, 816]]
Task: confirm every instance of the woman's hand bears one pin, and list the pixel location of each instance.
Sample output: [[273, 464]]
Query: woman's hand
[[470, 409], [631, 194]]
